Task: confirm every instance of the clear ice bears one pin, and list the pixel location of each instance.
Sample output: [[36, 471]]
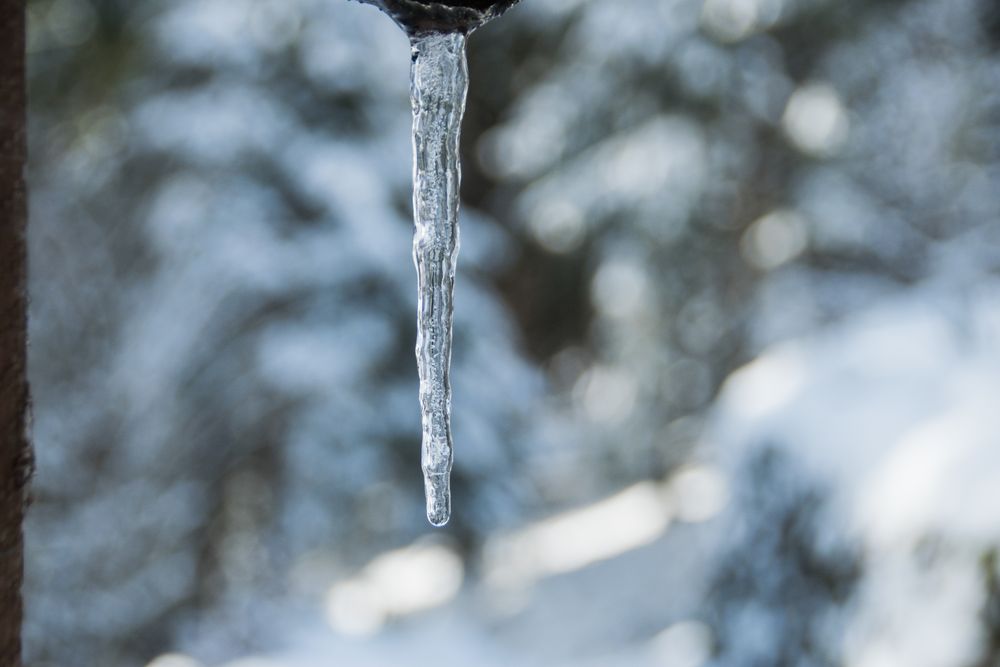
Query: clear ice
[[438, 85]]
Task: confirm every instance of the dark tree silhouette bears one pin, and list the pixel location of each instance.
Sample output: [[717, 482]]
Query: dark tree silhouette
[[15, 459]]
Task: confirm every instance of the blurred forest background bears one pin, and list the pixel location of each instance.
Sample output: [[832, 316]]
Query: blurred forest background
[[726, 368]]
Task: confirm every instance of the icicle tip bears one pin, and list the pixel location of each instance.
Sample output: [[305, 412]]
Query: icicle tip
[[438, 493]]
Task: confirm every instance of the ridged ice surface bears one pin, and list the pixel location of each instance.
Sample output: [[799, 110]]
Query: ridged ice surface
[[439, 82]]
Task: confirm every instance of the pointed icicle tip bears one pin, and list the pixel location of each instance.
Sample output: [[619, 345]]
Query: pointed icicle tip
[[438, 491]]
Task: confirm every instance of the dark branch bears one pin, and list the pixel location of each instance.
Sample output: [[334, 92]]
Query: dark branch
[[417, 16], [15, 452]]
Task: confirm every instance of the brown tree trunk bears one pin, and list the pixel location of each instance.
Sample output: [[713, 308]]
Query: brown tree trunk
[[15, 451]]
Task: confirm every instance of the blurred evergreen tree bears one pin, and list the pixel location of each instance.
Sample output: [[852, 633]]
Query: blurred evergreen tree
[[223, 294], [223, 325]]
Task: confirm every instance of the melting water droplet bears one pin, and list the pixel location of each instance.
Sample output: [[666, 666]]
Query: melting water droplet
[[439, 83]]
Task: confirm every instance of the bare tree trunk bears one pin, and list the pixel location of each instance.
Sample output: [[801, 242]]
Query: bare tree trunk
[[15, 449]]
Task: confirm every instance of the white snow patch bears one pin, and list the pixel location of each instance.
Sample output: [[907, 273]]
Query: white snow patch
[[894, 410]]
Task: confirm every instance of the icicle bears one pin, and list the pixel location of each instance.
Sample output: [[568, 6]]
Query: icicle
[[439, 83]]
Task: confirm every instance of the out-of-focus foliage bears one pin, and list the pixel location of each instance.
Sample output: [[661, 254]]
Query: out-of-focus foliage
[[720, 175], [224, 316], [656, 192]]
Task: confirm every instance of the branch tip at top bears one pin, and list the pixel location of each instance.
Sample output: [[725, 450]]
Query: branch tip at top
[[424, 16]]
